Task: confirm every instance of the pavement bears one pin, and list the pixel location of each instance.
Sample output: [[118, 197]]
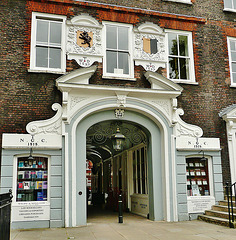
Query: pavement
[[106, 227]]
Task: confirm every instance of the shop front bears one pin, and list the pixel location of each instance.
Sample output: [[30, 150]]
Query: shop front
[[166, 170]]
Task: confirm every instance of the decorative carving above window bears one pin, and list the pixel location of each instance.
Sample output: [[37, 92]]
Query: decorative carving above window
[[149, 47], [84, 40]]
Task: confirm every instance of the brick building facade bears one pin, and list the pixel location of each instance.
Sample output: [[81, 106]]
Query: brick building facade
[[208, 86]]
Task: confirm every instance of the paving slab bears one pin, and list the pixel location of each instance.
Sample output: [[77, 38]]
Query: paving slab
[[106, 227]]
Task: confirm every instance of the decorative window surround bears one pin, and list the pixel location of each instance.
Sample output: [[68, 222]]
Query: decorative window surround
[[188, 56], [229, 5], [119, 49], [229, 115], [232, 59], [179, 1], [145, 33], [52, 46], [84, 54]]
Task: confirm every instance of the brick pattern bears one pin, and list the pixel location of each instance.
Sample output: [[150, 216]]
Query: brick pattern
[[28, 96]]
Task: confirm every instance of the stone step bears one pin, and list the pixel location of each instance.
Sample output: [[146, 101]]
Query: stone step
[[215, 220], [221, 208], [233, 198], [218, 214], [225, 203]]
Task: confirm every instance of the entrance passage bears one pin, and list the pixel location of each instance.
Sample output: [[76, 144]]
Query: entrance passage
[[113, 170]]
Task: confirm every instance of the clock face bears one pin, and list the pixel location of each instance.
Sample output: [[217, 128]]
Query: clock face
[[85, 39]]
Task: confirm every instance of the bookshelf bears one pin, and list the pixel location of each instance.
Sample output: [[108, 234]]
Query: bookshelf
[[32, 179], [197, 177]]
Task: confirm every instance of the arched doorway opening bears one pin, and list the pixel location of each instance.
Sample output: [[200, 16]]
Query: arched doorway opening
[[111, 172]]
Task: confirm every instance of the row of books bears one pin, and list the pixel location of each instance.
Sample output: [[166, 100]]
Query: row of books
[[32, 164], [190, 192], [40, 196], [26, 185], [196, 172], [195, 164], [32, 174], [197, 181]]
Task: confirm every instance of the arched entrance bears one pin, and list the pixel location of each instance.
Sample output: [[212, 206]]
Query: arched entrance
[[111, 172], [155, 164]]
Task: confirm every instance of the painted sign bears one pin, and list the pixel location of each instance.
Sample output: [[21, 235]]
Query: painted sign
[[27, 141], [31, 211], [200, 204], [191, 143]]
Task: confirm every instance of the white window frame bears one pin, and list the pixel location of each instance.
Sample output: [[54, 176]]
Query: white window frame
[[230, 9], [52, 17], [180, 1], [230, 60], [191, 79], [129, 76]]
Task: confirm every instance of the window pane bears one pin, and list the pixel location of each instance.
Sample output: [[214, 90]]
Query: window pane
[[173, 68], [123, 38], [134, 172], [234, 4], [228, 3], [183, 45], [232, 45], [111, 37], [234, 77], [233, 56], [184, 68], [42, 31], [143, 172], [172, 42], [111, 61], [41, 57], [54, 58], [55, 33], [234, 67], [138, 172], [153, 43], [123, 62]]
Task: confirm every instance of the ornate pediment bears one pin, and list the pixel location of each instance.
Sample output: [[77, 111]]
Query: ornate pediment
[[84, 40], [149, 47]]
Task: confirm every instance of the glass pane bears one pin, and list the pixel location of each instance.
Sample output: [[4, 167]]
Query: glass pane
[[123, 41], [234, 77], [234, 67], [183, 45], [111, 37], [173, 68], [54, 58], [143, 172], [233, 56], [55, 33], [123, 62], [228, 3], [41, 57], [184, 68], [138, 172], [134, 172], [42, 31], [172, 43], [232, 45], [111, 61], [32, 178], [234, 4]]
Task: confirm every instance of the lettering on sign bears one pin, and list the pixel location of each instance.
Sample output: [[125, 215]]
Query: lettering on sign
[[32, 142]]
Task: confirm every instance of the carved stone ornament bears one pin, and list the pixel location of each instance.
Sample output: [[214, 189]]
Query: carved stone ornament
[[119, 113], [52, 125], [184, 129], [84, 40], [146, 35]]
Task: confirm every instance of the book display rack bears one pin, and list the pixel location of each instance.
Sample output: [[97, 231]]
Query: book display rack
[[32, 179], [197, 177]]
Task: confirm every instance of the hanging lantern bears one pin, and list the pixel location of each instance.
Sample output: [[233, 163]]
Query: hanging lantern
[[118, 140]]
